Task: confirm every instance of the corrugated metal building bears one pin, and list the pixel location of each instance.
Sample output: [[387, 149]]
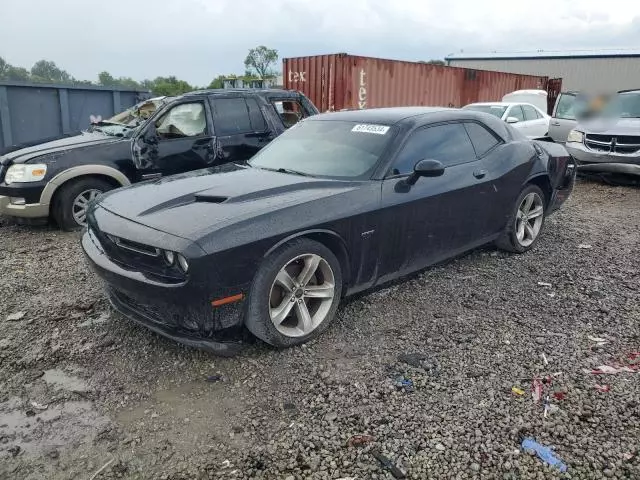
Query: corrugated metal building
[[584, 70]]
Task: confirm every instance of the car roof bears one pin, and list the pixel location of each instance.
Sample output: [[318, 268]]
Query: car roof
[[497, 104], [268, 92], [385, 116]]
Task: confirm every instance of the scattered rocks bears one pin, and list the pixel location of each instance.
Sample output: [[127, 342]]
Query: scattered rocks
[[14, 317]]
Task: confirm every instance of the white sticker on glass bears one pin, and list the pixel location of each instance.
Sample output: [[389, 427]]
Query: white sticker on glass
[[377, 129]]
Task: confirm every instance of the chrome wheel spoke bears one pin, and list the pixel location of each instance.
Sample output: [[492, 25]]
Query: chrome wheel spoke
[[279, 313], [529, 229], [305, 321], [528, 201], [319, 291], [536, 212], [520, 230], [311, 263], [285, 281]]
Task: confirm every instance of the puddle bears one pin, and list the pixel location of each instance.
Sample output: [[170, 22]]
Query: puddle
[[62, 380], [67, 424]]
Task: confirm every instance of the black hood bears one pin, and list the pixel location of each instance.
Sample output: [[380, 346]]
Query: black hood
[[193, 205], [60, 145]]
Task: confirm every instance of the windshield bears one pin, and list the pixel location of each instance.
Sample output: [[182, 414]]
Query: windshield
[[496, 110], [124, 122], [624, 105], [335, 149]]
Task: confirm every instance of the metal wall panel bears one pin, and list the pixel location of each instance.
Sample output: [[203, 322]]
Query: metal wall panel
[[32, 112], [335, 82], [591, 75]]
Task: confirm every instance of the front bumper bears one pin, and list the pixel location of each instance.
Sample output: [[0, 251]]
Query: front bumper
[[590, 161], [28, 205], [174, 310]]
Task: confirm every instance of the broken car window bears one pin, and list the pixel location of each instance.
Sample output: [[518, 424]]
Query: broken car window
[[291, 112], [185, 120]]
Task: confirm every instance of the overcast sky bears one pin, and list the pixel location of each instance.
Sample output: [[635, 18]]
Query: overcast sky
[[199, 39]]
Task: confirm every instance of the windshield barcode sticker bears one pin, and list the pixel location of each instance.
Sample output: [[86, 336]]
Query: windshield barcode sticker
[[377, 129]]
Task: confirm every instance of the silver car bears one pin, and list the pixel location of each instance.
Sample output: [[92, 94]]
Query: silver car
[[609, 143]]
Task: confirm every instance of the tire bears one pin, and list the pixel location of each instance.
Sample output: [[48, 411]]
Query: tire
[[268, 293], [511, 240], [63, 205]]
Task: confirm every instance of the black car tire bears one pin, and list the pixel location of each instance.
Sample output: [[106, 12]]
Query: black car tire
[[258, 319], [62, 210], [508, 240]]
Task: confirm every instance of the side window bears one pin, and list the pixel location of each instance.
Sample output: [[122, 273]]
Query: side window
[[290, 111], [184, 120], [255, 116], [516, 112], [448, 143], [565, 107], [482, 139], [530, 112], [231, 116]]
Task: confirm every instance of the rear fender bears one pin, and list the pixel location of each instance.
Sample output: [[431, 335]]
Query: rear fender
[[560, 165]]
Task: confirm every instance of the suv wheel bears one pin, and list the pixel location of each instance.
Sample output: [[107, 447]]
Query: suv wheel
[[71, 202]]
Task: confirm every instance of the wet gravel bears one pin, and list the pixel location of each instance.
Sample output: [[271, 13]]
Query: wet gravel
[[418, 375]]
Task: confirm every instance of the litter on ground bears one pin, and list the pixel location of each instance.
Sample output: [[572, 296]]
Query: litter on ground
[[544, 453]]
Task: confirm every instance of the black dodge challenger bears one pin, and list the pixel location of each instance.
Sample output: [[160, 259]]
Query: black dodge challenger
[[340, 203]]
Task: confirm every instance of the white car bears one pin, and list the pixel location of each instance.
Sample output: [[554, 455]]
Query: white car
[[527, 118]]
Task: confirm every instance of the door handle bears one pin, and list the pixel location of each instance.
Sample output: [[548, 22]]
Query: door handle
[[555, 124], [479, 173]]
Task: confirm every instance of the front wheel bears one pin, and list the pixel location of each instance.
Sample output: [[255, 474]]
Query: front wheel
[[72, 201], [525, 223], [295, 294]]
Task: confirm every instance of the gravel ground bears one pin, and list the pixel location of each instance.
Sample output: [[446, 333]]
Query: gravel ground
[[81, 387]]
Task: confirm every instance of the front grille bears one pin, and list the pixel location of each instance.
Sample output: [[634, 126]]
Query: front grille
[[623, 144]]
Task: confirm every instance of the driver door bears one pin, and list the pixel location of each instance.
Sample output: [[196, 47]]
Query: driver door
[[436, 217], [180, 140]]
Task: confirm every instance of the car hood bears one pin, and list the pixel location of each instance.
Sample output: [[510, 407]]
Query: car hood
[[194, 204], [611, 126], [60, 145]]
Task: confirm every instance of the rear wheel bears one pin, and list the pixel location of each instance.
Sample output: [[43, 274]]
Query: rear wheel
[[295, 294], [71, 202], [526, 221]]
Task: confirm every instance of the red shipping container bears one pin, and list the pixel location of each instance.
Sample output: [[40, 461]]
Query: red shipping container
[[342, 81]]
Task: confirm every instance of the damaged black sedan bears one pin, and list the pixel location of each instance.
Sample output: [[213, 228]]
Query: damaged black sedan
[[340, 203]]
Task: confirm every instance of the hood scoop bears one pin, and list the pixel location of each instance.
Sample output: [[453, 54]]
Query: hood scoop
[[204, 198]]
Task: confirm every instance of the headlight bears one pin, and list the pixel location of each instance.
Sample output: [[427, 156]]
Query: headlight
[[25, 173], [575, 136], [184, 265]]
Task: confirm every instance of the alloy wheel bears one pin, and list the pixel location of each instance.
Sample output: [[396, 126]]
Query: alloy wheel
[[301, 295], [529, 219], [81, 203]]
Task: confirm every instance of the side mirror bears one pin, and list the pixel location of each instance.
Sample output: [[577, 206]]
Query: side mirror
[[425, 168], [512, 120]]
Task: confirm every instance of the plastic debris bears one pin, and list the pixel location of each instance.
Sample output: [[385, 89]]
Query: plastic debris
[[214, 378], [584, 246], [611, 370], [403, 383], [545, 284], [359, 440], [14, 317], [517, 391], [544, 359], [225, 464], [388, 464], [39, 406], [536, 390], [559, 395], [547, 407], [544, 453], [602, 388]]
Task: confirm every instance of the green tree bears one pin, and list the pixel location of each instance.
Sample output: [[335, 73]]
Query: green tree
[[261, 60], [17, 74], [3, 67], [436, 62], [48, 71], [217, 82], [169, 86]]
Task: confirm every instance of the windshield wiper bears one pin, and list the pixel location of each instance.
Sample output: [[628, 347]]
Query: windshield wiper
[[286, 170]]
